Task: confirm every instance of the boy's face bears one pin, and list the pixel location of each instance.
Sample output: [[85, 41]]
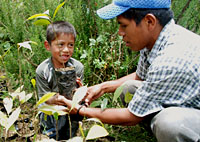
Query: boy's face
[[61, 49]]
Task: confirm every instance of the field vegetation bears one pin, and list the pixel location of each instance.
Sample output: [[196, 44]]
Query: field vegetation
[[98, 47]]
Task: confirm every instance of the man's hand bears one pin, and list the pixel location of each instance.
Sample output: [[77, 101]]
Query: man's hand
[[93, 93]]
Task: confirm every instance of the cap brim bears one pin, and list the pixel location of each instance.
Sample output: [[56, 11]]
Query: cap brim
[[111, 11]]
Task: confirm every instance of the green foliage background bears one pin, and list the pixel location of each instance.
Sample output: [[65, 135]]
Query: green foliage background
[[98, 46]]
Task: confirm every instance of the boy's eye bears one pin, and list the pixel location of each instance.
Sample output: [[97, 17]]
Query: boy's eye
[[71, 45]]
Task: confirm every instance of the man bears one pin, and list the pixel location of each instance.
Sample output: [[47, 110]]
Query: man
[[167, 79]]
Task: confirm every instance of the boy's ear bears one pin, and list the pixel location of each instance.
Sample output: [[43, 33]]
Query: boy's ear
[[46, 45]]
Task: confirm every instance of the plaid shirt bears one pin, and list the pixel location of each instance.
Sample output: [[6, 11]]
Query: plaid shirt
[[171, 72]]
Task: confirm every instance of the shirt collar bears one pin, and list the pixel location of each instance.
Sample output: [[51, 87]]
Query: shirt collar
[[161, 41]]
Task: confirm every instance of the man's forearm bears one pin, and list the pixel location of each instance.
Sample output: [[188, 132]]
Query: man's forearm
[[119, 116]]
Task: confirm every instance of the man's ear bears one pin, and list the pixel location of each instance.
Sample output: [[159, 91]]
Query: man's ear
[[151, 21], [47, 45]]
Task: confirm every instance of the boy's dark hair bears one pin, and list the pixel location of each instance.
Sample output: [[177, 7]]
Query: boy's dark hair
[[163, 15], [57, 28]]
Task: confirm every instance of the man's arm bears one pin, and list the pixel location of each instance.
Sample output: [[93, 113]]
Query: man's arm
[[115, 116]]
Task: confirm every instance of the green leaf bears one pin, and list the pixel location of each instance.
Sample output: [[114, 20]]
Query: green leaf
[[45, 98], [57, 8], [13, 117], [37, 15], [55, 115], [8, 104], [104, 103], [96, 131], [42, 22], [128, 97], [118, 92], [95, 103], [78, 95]]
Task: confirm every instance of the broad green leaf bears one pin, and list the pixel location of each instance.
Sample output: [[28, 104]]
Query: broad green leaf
[[96, 131], [95, 120], [37, 15], [95, 103], [78, 95], [51, 109], [104, 103], [13, 117], [45, 98], [33, 82], [75, 139], [118, 92], [42, 22], [57, 8], [128, 97], [8, 104], [3, 119]]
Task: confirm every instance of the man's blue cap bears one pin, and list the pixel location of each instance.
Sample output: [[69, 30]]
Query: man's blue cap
[[117, 7]]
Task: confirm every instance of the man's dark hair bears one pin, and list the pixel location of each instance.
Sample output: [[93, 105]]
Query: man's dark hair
[[57, 28], [163, 15]]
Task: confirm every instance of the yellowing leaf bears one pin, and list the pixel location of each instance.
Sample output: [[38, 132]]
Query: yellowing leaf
[[37, 15], [13, 117], [8, 104], [33, 82], [78, 95], [96, 131], [57, 8], [45, 98], [42, 22], [51, 109]]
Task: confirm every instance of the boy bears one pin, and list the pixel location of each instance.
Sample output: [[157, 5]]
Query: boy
[[60, 42]]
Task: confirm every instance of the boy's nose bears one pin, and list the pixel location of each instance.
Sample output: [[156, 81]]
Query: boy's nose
[[65, 49], [121, 33]]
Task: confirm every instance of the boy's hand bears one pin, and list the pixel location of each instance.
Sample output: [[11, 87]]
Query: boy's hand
[[78, 81], [56, 100]]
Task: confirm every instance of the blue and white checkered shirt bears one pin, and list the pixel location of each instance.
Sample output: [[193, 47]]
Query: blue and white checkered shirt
[[171, 72]]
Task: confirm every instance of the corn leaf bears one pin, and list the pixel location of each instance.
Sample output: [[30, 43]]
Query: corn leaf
[[57, 8], [78, 95], [96, 131], [45, 98]]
